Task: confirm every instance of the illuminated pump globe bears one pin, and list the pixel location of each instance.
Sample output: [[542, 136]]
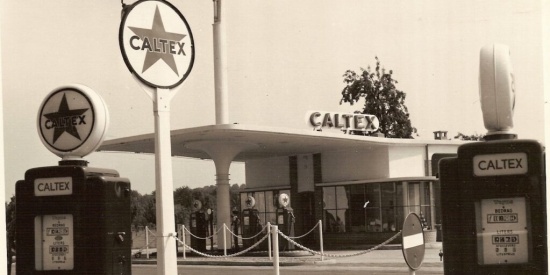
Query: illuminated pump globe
[[497, 89], [72, 121]]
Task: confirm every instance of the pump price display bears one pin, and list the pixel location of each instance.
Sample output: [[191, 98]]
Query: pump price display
[[54, 246], [57, 231], [506, 239], [504, 218], [59, 250], [502, 232]]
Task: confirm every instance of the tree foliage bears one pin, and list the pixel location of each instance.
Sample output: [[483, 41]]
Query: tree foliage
[[382, 99], [144, 208], [10, 231], [475, 137]]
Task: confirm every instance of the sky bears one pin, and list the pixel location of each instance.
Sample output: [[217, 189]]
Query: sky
[[285, 58]]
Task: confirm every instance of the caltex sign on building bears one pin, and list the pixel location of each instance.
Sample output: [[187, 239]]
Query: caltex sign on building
[[156, 43]]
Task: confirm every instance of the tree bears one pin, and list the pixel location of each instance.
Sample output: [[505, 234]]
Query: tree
[[10, 231], [149, 208], [382, 99]]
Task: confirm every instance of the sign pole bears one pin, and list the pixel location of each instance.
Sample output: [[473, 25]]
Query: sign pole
[[158, 49], [166, 253]]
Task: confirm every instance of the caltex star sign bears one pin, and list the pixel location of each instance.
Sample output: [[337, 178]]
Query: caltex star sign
[[157, 43]]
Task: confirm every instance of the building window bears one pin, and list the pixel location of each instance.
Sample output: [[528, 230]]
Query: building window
[[357, 214], [374, 207], [419, 201]]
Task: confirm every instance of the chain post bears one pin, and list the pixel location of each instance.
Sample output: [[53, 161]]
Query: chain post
[[275, 236], [269, 240], [321, 240]]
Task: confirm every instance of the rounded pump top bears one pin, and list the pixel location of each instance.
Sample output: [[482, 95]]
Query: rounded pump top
[[497, 91], [72, 122]]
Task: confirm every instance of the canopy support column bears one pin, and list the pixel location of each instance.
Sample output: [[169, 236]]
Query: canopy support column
[[223, 153]]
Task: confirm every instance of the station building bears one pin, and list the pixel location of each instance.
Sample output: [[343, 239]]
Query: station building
[[360, 187]]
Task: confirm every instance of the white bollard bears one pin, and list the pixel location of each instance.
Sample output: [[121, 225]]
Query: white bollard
[[321, 239], [269, 239], [275, 236], [147, 241], [224, 241], [183, 239]]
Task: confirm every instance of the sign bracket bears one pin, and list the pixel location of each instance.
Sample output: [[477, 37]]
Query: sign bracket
[[150, 91]]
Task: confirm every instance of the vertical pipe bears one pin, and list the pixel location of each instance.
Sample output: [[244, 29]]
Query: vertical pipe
[[211, 227], [3, 241], [224, 240], [432, 206], [321, 240], [147, 241], [183, 239], [406, 208], [220, 66], [166, 250], [380, 209], [275, 236], [269, 239], [223, 201]]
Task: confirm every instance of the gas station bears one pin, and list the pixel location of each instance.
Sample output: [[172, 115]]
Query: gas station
[[294, 177]]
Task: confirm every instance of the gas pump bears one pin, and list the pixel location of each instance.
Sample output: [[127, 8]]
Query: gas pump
[[71, 218], [198, 227], [493, 193], [210, 226], [250, 222], [285, 221]]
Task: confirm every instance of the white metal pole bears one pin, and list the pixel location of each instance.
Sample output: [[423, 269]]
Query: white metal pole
[[183, 239], [411, 271], [269, 239], [220, 67], [3, 240], [166, 250], [275, 235], [321, 239], [147, 241], [224, 240]]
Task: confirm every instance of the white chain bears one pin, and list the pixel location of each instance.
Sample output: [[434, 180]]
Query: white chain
[[248, 238], [339, 255], [202, 238], [299, 237], [224, 256], [295, 243]]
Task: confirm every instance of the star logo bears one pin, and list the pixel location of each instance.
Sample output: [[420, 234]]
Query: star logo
[[159, 44], [65, 120], [156, 43]]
